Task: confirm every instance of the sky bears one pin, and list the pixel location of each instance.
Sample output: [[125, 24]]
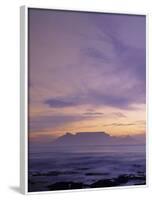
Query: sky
[[87, 72]]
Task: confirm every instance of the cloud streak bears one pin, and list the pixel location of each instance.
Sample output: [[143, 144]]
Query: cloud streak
[[95, 99], [98, 64]]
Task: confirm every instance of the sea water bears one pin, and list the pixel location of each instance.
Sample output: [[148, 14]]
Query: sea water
[[84, 164]]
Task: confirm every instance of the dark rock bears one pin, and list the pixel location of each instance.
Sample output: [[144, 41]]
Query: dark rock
[[139, 177], [65, 185], [96, 174], [104, 183], [122, 179], [82, 168], [143, 183], [69, 172]]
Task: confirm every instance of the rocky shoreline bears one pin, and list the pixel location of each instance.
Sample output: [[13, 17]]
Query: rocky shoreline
[[121, 180]]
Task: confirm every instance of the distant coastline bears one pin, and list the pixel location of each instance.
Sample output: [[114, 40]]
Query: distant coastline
[[97, 138]]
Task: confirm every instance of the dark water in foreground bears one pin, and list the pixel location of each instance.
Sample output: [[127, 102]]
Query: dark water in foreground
[[86, 167]]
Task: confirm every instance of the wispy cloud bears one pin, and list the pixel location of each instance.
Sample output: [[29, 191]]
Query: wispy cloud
[[93, 113], [60, 103], [119, 114], [120, 124], [99, 63], [95, 98], [139, 123]]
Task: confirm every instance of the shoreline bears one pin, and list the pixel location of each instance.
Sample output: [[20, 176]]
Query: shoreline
[[121, 180]]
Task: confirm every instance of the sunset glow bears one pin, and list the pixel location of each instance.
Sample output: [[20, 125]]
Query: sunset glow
[[86, 73]]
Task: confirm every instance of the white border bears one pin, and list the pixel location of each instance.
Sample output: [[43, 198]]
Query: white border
[[24, 98]]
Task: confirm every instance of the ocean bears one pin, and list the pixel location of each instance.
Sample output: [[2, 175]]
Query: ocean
[[79, 167]]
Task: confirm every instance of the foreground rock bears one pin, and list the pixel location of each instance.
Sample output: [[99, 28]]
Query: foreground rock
[[66, 185], [121, 180]]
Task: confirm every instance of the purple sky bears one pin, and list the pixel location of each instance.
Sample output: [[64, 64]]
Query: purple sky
[[86, 71]]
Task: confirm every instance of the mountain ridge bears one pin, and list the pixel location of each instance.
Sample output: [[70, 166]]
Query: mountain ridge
[[94, 138]]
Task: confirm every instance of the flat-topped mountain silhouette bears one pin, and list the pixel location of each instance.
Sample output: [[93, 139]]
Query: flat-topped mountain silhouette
[[94, 138]]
